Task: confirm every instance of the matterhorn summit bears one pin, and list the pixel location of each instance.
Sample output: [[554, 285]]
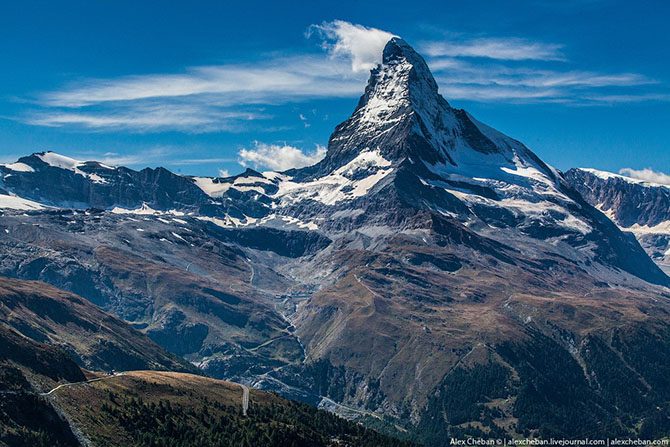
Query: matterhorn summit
[[402, 115]]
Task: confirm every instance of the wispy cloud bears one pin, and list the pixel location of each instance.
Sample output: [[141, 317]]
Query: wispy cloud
[[203, 99], [213, 98], [143, 117], [138, 158], [151, 156], [460, 79], [512, 49], [358, 43], [276, 79], [487, 93], [304, 120], [647, 175], [279, 157], [628, 98], [8, 158], [232, 97]]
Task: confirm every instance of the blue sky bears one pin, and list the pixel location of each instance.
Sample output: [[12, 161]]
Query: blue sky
[[200, 86]]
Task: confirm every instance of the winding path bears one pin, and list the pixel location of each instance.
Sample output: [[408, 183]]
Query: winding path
[[245, 399], [245, 389], [97, 379]]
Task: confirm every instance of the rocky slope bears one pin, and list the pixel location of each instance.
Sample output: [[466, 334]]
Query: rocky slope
[[26, 368], [639, 207], [176, 278], [92, 338], [426, 261]]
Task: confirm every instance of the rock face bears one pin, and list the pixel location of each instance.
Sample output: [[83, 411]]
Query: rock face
[[639, 207], [46, 337], [428, 260], [53, 179], [26, 368], [94, 339]]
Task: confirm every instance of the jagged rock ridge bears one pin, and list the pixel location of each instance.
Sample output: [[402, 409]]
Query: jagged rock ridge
[[640, 207]]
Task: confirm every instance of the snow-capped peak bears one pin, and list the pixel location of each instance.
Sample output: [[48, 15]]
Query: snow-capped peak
[[59, 161], [605, 175], [403, 115], [402, 80], [64, 162]]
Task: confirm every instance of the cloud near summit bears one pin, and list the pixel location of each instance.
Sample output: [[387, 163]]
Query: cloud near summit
[[362, 45], [647, 175]]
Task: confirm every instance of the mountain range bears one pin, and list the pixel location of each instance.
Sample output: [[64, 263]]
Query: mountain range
[[430, 276], [636, 206]]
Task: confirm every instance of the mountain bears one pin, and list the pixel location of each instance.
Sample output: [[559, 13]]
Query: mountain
[[430, 274], [56, 180], [25, 365], [92, 338], [45, 333], [46, 337], [175, 277], [639, 207]]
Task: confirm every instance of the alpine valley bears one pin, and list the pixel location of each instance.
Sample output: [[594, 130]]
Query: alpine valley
[[430, 277]]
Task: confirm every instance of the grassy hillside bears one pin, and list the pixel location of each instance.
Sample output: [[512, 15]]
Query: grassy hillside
[[150, 408]]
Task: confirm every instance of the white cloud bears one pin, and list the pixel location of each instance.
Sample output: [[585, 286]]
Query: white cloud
[[279, 157], [141, 117], [460, 79], [647, 175], [279, 78], [628, 98], [513, 49], [224, 173], [358, 43], [203, 99]]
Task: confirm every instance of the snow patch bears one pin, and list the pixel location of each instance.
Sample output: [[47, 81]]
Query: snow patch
[[300, 224], [661, 228], [70, 164], [228, 221], [212, 187], [217, 187], [178, 236], [534, 210], [346, 183], [19, 167], [637, 229], [18, 203], [146, 210]]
